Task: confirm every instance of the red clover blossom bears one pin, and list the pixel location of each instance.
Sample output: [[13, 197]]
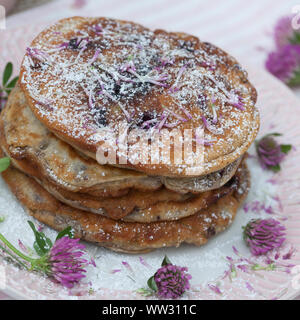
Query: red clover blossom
[[271, 153], [283, 31], [170, 281], [62, 261], [284, 61], [65, 262], [263, 235]]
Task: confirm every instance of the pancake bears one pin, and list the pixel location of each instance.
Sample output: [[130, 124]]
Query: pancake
[[37, 152], [127, 236], [83, 77], [138, 206], [161, 205], [175, 211], [210, 181]]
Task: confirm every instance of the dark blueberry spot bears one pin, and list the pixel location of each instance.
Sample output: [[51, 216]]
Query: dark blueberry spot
[[146, 116], [73, 43], [187, 45], [228, 184], [208, 45], [143, 87], [210, 232], [202, 101], [231, 183], [133, 90], [100, 116], [117, 88], [36, 66], [44, 145]]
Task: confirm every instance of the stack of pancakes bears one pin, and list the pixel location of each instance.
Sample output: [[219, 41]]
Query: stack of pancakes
[[83, 77]]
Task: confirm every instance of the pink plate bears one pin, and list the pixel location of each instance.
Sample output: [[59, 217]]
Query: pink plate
[[280, 112]]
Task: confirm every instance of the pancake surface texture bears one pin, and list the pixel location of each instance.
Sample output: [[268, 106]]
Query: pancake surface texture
[[83, 76]]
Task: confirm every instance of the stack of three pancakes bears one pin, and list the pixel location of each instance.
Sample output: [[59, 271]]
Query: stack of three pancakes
[[86, 74]]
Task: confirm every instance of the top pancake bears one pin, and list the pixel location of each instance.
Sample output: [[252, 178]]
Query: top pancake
[[85, 74], [39, 153]]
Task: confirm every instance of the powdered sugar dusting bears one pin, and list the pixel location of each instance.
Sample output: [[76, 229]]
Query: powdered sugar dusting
[[99, 72]]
